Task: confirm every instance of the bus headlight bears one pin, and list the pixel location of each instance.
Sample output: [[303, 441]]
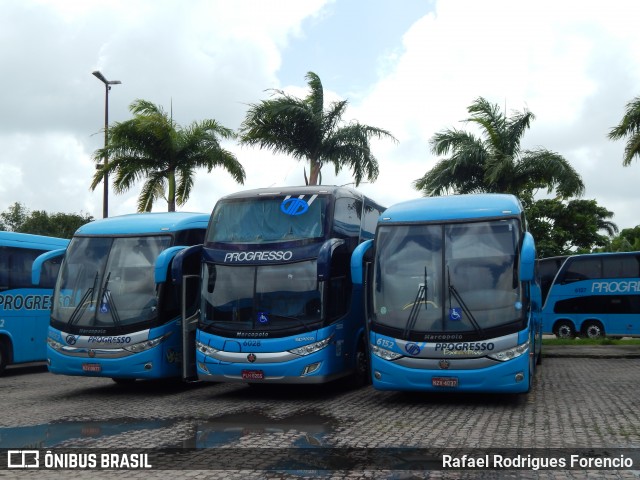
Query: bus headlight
[[205, 349], [312, 347], [511, 353], [57, 346], [384, 353], [146, 345]]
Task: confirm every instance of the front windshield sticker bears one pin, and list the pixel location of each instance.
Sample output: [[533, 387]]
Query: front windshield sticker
[[296, 206], [455, 314], [263, 319]]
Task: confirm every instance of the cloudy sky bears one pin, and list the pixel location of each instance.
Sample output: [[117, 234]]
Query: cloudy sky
[[409, 66]]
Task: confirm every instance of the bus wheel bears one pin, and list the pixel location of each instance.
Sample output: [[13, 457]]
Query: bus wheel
[[592, 329], [4, 357], [124, 381], [363, 368], [565, 329]]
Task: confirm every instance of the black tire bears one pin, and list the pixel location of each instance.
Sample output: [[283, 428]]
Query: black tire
[[4, 357], [565, 329], [592, 329], [124, 381], [363, 366]]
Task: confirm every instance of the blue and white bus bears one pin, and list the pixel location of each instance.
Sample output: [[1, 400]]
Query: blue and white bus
[[24, 307], [116, 311], [452, 302], [277, 300], [595, 295]]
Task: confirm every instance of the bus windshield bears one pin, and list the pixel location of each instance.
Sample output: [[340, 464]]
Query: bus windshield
[[459, 277], [108, 282], [263, 297], [268, 219]]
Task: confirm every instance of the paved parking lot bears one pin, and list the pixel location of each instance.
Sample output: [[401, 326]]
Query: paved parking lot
[[576, 403]]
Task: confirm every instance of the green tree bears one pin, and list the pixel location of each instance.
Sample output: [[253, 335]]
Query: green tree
[[562, 228], [151, 146], [18, 218], [303, 129], [12, 218], [494, 161], [627, 241], [629, 127]]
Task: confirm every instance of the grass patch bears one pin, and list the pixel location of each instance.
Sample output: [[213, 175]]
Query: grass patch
[[591, 341]]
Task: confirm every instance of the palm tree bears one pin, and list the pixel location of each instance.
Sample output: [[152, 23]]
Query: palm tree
[[151, 146], [303, 129], [629, 126], [495, 161]]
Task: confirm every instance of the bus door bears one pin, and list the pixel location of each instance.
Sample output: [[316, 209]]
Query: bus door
[[186, 273]]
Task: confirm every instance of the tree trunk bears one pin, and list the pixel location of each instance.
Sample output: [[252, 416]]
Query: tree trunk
[[171, 194], [314, 172]]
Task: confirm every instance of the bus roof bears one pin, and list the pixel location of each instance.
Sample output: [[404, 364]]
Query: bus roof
[[145, 223], [301, 190], [28, 240], [453, 207]]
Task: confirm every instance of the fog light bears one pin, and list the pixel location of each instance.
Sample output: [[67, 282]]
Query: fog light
[[203, 367], [378, 375], [519, 376], [148, 366], [311, 368]]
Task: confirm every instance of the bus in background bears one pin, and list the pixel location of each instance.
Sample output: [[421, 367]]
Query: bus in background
[[116, 312], [595, 295], [451, 298], [24, 308], [277, 304], [547, 269]]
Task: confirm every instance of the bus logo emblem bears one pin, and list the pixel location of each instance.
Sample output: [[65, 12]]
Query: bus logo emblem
[[294, 206], [412, 349], [251, 357], [71, 339], [443, 364]]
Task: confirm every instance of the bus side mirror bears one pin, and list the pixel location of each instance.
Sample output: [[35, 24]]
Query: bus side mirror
[[357, 262], [527, 258], [38, 264]]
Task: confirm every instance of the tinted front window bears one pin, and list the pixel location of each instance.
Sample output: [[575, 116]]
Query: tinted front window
[[268, 219], [265, 297]]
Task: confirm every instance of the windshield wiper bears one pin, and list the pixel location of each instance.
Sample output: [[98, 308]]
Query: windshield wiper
[[82, 306], [287, 317], [107, 304], [421, 297], [465, 309]]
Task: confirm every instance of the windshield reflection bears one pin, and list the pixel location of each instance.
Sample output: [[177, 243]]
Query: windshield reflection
[[265, 297], [447, 278], [108, 282]]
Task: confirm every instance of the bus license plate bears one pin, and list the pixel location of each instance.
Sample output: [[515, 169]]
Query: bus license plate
[[91, 367], [448, 382], [252, 375]]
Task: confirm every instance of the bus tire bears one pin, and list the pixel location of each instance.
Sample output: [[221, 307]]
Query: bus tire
[[4, 356], [565, 329], [124, 381], [363, 365], [592, 329]]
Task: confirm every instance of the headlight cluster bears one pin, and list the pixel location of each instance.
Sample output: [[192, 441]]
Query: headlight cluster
[[53, 344], [312, 347], [511, 353], [384, 353], [146, 345], [205, 349]]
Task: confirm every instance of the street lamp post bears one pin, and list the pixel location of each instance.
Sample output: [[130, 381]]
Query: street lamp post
[[107, 85]]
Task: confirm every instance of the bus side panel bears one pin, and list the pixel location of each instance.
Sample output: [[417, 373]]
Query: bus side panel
[[24, 318]]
